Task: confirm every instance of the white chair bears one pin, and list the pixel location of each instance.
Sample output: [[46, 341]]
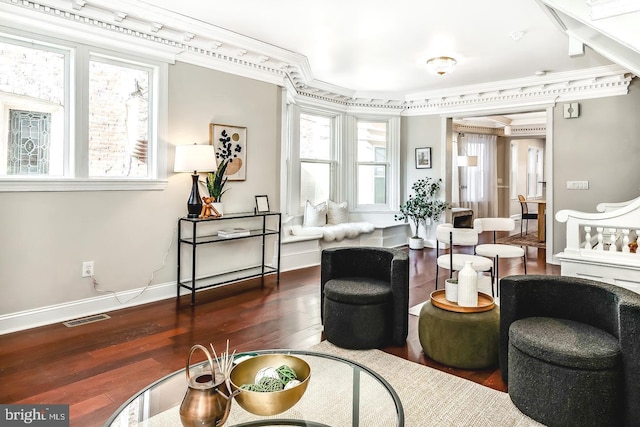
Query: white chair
[[447, 234], [497, 251]]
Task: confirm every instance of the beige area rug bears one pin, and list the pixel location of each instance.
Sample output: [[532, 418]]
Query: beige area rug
[[434, 398], [429, 397]]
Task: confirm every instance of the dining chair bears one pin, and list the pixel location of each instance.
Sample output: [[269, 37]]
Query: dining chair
[[525, 215], [494, 250], [447, 234]]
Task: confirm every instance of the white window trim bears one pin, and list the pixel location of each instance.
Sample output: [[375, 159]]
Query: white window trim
[[76, 160], [294, 204], [345, 145]]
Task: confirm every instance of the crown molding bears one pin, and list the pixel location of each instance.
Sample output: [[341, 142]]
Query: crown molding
[[539, 130], [156, 32]]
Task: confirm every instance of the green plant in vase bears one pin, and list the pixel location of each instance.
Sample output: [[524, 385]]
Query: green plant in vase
[[423, 204], [216, 182]]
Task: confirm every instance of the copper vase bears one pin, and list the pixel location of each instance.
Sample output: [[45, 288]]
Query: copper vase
[[207, 402]]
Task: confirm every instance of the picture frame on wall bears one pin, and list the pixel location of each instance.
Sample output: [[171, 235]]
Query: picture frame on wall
[[230, 143], [423, 158], [262, 203]]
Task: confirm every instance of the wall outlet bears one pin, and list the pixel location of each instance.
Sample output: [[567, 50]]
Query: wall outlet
[[87, 269], [577, 185]]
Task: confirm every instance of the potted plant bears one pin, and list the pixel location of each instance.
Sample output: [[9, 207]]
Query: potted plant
[[215, 184], [420, 206]]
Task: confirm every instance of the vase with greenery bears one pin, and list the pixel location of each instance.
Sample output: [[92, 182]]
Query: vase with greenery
[[216, 182], [423, 204]]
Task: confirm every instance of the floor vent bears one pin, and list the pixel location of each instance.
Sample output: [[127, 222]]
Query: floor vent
[[85, 320]]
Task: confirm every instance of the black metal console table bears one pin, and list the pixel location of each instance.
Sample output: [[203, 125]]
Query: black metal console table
[[194, 283]]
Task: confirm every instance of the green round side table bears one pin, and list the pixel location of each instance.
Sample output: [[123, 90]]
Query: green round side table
[[461, 340]]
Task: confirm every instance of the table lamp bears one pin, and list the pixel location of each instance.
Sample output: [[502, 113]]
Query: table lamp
[[194, 158]]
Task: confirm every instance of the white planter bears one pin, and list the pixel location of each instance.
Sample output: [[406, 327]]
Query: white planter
[[451, 290], [416, 243], [219, 207]]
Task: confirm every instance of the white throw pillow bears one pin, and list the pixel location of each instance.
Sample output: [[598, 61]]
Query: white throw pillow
[[337, 213], [315, 216]]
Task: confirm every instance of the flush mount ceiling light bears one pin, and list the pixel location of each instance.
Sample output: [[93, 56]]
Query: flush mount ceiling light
[[441, 65]]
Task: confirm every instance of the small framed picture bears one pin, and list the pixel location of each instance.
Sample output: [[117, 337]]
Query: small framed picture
[[262, 204], [423, 158]]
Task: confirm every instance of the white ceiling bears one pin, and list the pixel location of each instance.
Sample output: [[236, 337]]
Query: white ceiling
[[379, 46]]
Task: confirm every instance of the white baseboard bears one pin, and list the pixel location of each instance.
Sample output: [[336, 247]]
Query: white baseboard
[[41, 316]]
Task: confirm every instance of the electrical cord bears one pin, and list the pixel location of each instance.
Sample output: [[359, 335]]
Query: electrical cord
[[96, 285]]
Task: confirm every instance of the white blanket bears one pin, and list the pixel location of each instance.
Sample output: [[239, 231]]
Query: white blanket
[[336, 232]]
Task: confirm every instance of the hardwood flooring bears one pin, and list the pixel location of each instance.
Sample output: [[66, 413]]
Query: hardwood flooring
[[97, 366]]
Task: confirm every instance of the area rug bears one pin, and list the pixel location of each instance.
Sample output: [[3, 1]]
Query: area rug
[[530, 239], [434, 398]]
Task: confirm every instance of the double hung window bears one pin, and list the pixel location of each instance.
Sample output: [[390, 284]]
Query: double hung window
[[317, 158]]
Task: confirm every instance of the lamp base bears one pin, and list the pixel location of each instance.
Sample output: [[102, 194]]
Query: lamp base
[[194, 204]]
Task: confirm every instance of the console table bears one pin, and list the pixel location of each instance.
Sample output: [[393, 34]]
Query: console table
[[209, 236]]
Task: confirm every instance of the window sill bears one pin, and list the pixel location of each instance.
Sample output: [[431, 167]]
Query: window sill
[[9, 185]]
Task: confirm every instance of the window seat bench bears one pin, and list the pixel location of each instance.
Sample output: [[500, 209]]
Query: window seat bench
[[302, 246]]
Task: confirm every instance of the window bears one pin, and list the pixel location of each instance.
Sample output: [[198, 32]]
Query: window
[[75, 117], [118, 119], [332, 155], [33, 105], [316, 159], [372, 163]]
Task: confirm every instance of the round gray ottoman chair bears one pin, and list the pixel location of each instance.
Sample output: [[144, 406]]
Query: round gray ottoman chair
[[564, 361], [461, 340], [364, 296]]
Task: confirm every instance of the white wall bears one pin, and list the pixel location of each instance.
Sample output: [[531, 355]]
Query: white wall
[[47, 235]]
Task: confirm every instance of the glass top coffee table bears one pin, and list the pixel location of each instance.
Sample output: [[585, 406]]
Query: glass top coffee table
[[340, 393]]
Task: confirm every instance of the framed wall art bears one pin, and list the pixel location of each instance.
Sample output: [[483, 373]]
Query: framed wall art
[[423, 158], [230, 143]]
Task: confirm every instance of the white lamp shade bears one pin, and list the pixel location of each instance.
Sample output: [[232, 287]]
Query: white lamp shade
[[467, 160], [193, 157]]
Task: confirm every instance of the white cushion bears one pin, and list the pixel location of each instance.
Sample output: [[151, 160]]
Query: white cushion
[[502, 251], [315, 216], [337, 213], [336, 232]]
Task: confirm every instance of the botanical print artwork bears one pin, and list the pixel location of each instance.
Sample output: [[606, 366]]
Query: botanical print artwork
[[230, 144]]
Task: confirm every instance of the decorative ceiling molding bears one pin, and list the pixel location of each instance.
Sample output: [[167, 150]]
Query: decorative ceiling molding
[[157, 32], [516, 131]]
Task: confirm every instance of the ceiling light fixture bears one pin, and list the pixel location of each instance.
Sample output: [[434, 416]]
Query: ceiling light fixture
[[441, 65]]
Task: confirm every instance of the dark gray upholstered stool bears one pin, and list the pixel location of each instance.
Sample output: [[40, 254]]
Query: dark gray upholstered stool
[[357, 312], [365, 296], [462, 340], [569, 350], [572, 365]]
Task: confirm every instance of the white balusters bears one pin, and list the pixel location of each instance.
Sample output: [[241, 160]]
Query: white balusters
[[587, 237], [600, 238], [612, 240], [625, 240]]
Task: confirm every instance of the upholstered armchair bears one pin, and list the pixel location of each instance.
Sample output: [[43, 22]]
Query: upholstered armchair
[[364, 298], [570, 350]]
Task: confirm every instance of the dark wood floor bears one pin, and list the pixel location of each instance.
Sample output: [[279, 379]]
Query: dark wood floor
[[96, 367]]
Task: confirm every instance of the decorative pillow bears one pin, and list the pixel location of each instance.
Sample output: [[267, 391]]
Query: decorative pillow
[[337, 213], [315, 216]]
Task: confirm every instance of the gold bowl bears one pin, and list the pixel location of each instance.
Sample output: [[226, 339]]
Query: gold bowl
[[270, 402]]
